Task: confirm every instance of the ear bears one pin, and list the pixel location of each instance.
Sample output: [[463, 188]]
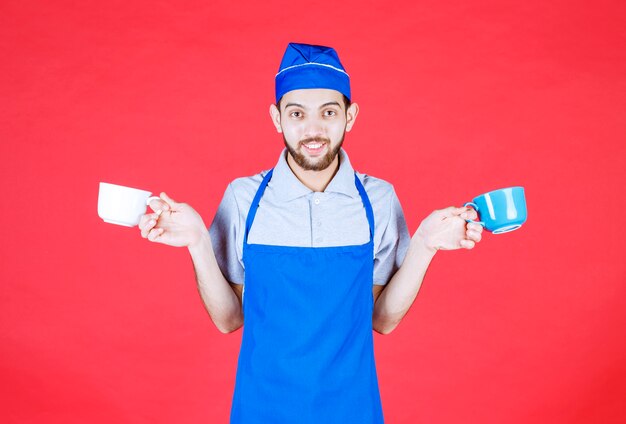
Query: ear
[[275, 115], [351, 114]]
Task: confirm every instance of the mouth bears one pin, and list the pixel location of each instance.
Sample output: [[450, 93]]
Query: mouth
[[314, 148]]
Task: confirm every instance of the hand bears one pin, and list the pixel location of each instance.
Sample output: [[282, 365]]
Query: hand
[[446, 229], [174, 224]]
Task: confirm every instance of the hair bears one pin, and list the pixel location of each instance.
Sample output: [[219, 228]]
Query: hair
[[346, 103]]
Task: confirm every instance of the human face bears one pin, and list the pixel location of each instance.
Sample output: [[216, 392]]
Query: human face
[[313, 123]]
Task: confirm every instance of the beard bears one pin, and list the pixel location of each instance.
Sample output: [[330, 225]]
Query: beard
[[321, 163]]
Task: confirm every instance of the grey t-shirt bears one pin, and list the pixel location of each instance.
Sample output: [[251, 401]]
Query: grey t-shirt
[[290, 214]]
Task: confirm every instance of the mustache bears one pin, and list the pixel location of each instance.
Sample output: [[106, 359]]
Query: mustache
[[315, 139]]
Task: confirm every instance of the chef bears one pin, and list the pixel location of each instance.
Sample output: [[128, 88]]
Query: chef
[[310, 257]]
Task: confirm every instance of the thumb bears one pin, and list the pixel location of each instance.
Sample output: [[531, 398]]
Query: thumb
[[170, 202], [458, 211], [451, 211]]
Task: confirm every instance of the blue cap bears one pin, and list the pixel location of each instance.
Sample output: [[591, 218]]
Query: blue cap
[[310, 66]]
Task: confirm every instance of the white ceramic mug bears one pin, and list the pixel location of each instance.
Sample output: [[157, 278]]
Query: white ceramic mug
[[122, 205]]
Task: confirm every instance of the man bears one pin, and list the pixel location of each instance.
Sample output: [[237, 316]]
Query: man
[[309, 257]]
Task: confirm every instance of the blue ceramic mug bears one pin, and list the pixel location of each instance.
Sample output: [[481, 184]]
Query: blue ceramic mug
[[500, 211]]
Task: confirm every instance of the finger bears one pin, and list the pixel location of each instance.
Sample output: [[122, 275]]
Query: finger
[[146, 218], [462, 211], [148, 225], [169, 201], [475, 227], [155, 233], [143, 221], [473, 235], [452, 211], [158, 205], [467, 244], [470, 214]]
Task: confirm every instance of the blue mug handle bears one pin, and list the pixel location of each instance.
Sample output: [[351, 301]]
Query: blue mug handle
[[476, 208]]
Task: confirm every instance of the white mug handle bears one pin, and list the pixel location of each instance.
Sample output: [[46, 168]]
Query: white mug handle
[[153, 198]]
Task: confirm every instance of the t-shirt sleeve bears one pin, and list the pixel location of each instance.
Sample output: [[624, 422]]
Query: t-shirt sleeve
[[393, 245], [225, 232]]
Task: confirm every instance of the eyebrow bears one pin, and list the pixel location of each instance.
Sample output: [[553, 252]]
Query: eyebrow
[[322, 106]]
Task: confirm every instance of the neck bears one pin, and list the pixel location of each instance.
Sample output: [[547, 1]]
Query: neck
[[314, 180]]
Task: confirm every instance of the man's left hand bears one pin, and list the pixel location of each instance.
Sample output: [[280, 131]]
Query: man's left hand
[[446, 229]]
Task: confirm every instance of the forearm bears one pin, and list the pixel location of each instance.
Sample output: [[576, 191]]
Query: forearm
[[220, 301], [400, 292]]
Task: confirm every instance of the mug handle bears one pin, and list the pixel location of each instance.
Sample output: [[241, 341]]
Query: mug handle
[[475, 206], [153, 198]]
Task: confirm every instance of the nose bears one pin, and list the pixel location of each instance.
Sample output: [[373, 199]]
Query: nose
[[314, 128]]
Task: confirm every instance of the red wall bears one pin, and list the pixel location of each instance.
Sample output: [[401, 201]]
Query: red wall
[[457, 98]]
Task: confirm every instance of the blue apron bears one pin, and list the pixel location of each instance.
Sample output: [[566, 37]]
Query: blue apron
[[307, 351]]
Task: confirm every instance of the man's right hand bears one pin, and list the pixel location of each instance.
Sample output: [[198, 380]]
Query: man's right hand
[[178, 224]]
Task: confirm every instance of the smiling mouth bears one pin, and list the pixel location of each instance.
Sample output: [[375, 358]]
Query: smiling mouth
[[314, 147]]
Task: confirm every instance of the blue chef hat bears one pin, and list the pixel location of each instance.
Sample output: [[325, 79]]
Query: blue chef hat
[[310, 66]]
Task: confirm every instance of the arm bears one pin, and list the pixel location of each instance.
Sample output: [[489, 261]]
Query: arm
[[180, 225], [442, 230], [398, 295], [222, 300]]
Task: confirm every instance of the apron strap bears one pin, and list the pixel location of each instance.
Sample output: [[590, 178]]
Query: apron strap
[[255, 204], [366, 203]]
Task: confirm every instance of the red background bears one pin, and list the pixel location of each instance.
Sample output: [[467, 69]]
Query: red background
[[457, 98]]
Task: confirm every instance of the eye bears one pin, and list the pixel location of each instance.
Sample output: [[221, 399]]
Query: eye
[[330, 113], [296, 114]]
